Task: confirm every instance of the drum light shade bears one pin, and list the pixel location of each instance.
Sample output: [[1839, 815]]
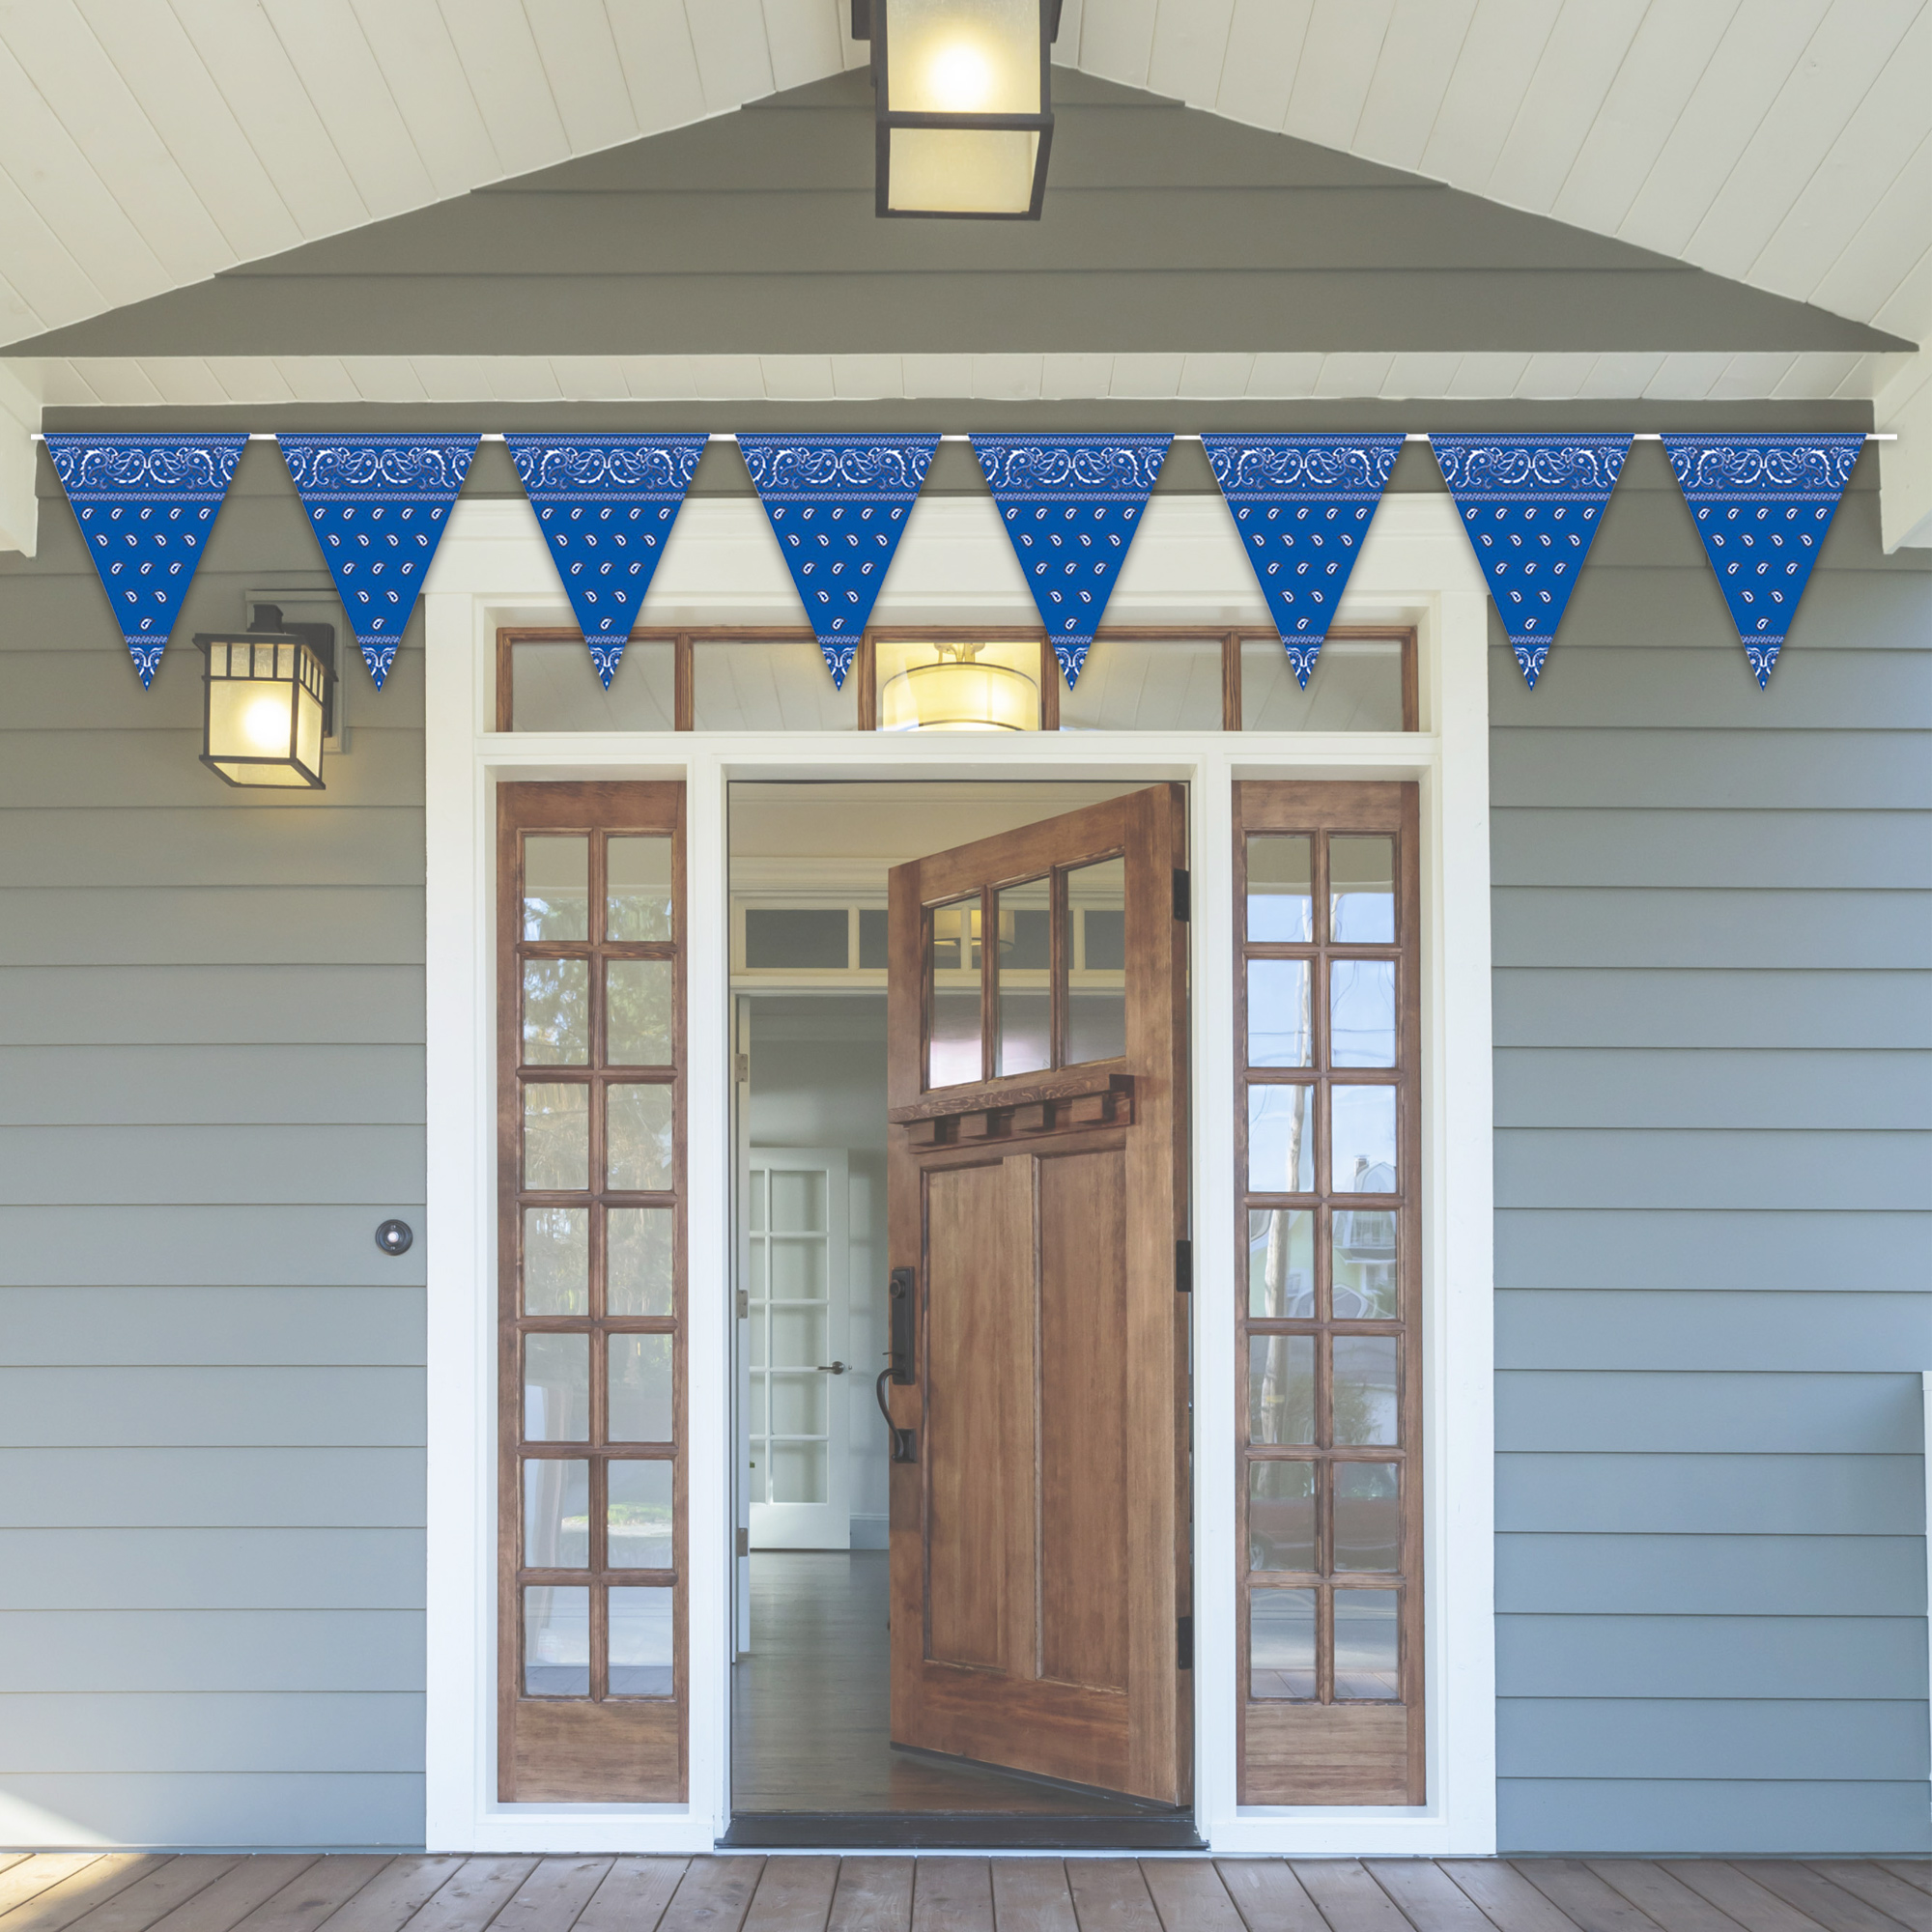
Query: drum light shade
[[265, 704], [965, 104], [956, 691]]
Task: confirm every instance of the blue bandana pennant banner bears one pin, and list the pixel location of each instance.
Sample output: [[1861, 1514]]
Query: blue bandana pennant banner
[[145, 505], [1531, 506], [1302, 505], [839, 506], [607, 508], [1763, 505], [379, 505], [1071, 506]]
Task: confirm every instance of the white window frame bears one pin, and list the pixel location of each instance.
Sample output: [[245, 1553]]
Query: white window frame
[[954, 565]]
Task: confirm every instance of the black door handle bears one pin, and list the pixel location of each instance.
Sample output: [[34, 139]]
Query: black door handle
[[902, 1439], [899, 1301]]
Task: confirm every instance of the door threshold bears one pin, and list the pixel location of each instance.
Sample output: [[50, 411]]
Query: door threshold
[[956, 1832]]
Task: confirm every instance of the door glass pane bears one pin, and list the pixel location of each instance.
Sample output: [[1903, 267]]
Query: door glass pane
[[798, 1473], [556, 1388], [556, 888], [638, 1521], [642, 1631], [556, 1642], [1362, 1012], [952, 1047], [1281, 1516], [1363, 1262], [1280, 1022], [556, 1136], [1280, 1261], [641, 1391], [798, 1336], [1363, 1140], [1281, 1643], [1366, 1648], [1025, 1012], [797, 1268], [1281, 1389], [798, 1405], [556, 1261], [557, 1515], [1363, 1391], [1366, 1525], [637, 1134], [1281, 1140], [1361, 891], [798, 1200], [1097, 996], [638, 1013], [1281, 888], [557, 1013], [639, 1261], [638, 885]]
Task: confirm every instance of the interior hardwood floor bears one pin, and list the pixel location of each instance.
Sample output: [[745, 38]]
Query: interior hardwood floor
[[130, 1891], [811, 1705]]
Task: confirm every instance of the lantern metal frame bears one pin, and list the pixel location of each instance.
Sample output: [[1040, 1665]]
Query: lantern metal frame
[[314, 665], [869, 23]]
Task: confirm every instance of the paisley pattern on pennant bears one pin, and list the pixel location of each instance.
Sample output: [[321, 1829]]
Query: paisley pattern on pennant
[[1302, 505], [145, 505], [1071, 506], [838, 505], [1531, 506], [606, 508], [379, 505], [1763, 505]]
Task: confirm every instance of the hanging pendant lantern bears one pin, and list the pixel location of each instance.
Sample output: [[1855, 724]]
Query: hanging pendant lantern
[[265, 704], [957, 690]]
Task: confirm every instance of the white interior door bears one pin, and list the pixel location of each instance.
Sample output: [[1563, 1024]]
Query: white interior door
[[798, 1274]]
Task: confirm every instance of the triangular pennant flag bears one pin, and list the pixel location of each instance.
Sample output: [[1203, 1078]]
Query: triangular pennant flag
[[1532, 506], [1763, 505], [380, 505], [145, 505], [1071, 506], [607, 507], [1302, 505], [839, 506]]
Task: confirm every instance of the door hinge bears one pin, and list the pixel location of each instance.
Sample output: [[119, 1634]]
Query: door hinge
[[744, 1304], [1183, 1268], [1182, 893], [1184, 1642], [744, 1543], [741, 1068]]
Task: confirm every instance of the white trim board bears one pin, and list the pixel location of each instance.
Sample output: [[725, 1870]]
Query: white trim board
[[954, 561]]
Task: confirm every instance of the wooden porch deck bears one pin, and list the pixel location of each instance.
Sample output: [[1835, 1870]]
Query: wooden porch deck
[[78, 1891]]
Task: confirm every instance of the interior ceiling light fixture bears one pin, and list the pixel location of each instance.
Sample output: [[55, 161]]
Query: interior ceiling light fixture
[[964, 109], [955, 691]]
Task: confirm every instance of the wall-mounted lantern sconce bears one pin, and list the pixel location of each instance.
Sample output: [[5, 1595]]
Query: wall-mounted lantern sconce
[[266, 701], [965, 104]]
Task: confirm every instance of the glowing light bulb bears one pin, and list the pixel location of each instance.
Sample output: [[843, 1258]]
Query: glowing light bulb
[[264, 723], [960, 77]]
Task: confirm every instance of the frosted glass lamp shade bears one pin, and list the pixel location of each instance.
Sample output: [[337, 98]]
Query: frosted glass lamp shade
[[264, 708]]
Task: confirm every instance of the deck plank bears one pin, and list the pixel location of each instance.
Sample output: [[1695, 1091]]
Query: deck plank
[[1189, 1895], [1427, 1896], [1830, 1905], [552, 1898], [1347, 1896], [1110, 1895], [873, 1895], [39, 1872], [1269, 1896], [248, 1884], [395, 1895], [316, 1895], [82, 1891], [1506, 1897], [633, 1895], [1031, 1895], [793, 1895], [1668, 1900], [156, 1895], [713, 1895], [472, 1896], [1741, 1896], [953, 1895], [1581, 1897], [1914, 1871], [1890, 1894]]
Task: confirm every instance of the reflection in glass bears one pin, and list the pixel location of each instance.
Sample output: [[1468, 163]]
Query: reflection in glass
[[1280, 1261], [1362, 1260], [555, 686], [637, 1517], [556, 1642], [952, 1047], [557, 1013], [1362, 1012], [775, 684], [556, 888], [798, 1200], [1356, 686], [1281, 1140], [1281, 1389], [556, 1388], [556, 1136], [556, 1261], [637, 1012], [638, 888], [638, 1263], [798, 1473], [1281, 1643], [1362, 1140], [1280, 1022], [1361, 891], [637, 1151], [1281, 1516], [1131, 684], [1366, 1525], [1096, 1001], [640, 1640], [1281, 888], [557, 1515], [1362, 1391], [1024, 1014], [640, 1389], [1366, 1645]]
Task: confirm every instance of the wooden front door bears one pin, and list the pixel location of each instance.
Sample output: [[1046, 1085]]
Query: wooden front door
[[1038, 1387]]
